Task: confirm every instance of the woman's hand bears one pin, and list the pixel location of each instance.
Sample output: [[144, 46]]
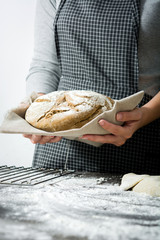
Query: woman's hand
[[42, 139], [133, 120], [119, 134]]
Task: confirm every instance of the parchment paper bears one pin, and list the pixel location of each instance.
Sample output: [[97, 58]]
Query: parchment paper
[[14, 121]]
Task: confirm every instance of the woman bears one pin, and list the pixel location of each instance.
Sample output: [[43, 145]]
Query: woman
[[93, 45]]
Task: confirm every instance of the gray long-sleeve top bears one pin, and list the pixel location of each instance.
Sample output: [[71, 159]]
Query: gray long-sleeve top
[[44, 72]]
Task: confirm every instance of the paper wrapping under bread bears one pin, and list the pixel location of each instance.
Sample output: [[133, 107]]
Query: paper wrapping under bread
[[14, 121]]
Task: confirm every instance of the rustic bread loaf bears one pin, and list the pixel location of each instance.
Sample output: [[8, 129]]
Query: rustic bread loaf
[[63, 110]]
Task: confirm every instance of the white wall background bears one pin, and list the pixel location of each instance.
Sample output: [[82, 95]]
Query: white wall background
[[16, 48]]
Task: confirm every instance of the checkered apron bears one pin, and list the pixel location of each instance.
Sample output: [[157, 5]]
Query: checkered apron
[[96, 44]]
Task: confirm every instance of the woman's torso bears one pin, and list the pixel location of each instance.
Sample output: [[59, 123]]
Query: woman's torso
[[96, 45]]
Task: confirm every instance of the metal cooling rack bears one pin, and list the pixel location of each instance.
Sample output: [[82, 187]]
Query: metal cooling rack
[[29, 176]]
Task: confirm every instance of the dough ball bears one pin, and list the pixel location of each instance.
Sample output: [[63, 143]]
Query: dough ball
[[129, 180], [149, 185]]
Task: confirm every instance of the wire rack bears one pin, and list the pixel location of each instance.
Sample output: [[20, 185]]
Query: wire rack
[[29, 176]]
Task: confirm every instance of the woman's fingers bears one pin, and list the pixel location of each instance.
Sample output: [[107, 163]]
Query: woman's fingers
[[27, 135], [118, 134], [42, 139], [114, 129], [134, 115], [35, 138], [45, 139], [55, 139], [110, 139], [131, 122]]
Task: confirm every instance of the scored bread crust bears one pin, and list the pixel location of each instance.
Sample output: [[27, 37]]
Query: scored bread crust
[[64, 110]]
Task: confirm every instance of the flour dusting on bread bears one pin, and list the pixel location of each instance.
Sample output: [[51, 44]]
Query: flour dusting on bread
[[63, 110]]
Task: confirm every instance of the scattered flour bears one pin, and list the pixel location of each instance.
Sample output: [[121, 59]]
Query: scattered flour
[[84, 207]]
